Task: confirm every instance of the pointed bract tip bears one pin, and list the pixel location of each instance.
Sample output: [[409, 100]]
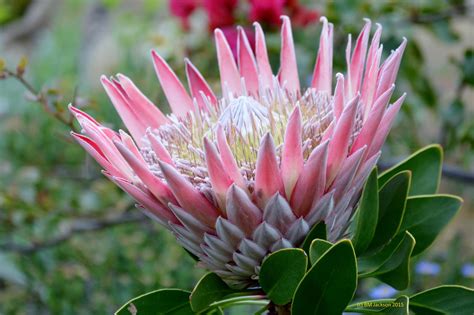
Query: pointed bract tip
[[104, 79], [323, 20], [285, 18], [218, 32], [207, 143], [266, 139], [295, 112]]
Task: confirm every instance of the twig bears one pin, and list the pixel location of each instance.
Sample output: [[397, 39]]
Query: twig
[[448, 171], [78, 227], [41, 99]]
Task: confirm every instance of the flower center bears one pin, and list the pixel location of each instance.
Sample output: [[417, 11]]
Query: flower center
[[246, 115], [245, 120]]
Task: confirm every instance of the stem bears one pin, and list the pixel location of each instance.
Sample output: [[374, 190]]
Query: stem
[[279, 309]]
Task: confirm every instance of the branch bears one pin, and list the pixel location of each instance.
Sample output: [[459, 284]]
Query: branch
[[448, 171], [78, 227], [40, 97]]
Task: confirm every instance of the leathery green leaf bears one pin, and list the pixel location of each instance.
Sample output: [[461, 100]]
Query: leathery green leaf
[[366, 216], [164, 301], [392, 201], [425, 217], [317, 249], [391, 263], [445, 299], [425, 166], [209, 289], [330, 284], [281, 272]]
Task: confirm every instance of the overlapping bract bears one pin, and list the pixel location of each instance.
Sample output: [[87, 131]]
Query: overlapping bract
[[238, 176]]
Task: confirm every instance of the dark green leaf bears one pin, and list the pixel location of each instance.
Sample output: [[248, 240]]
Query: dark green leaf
[[365, 220], [391, 263], [426, 216], [399, 277], [164, 301], [392, 200], [425, 166], [330, 284], [281, 272], [318, 231], [446, 299], [317, 249], [209, 289]]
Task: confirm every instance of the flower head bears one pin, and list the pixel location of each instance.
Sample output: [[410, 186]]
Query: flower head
[[246, 173]]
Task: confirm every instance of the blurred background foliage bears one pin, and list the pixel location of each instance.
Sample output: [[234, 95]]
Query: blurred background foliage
[[72, 243]]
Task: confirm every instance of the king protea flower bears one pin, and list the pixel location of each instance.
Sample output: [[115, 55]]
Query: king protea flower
[[238, 176]]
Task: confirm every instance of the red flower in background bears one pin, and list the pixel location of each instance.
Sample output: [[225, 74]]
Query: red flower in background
[[182, 9], [220, 12], [269, 12], [266, 11], [300, 15]]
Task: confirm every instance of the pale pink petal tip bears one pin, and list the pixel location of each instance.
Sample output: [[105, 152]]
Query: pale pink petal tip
[[267, 174], [247, 64], [179, 100], [230, 77], [197, 85], [288, 74], [220, 180], [292, 155]]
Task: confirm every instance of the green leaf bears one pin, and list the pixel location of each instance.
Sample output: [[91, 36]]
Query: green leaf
[[164, 301], [317, 249], [281, 272], [366, 216], [425, 166], [209, 289], [330, 284], [318, 231], [446, 299], [392, 200], [391, 263], [426, 216]]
